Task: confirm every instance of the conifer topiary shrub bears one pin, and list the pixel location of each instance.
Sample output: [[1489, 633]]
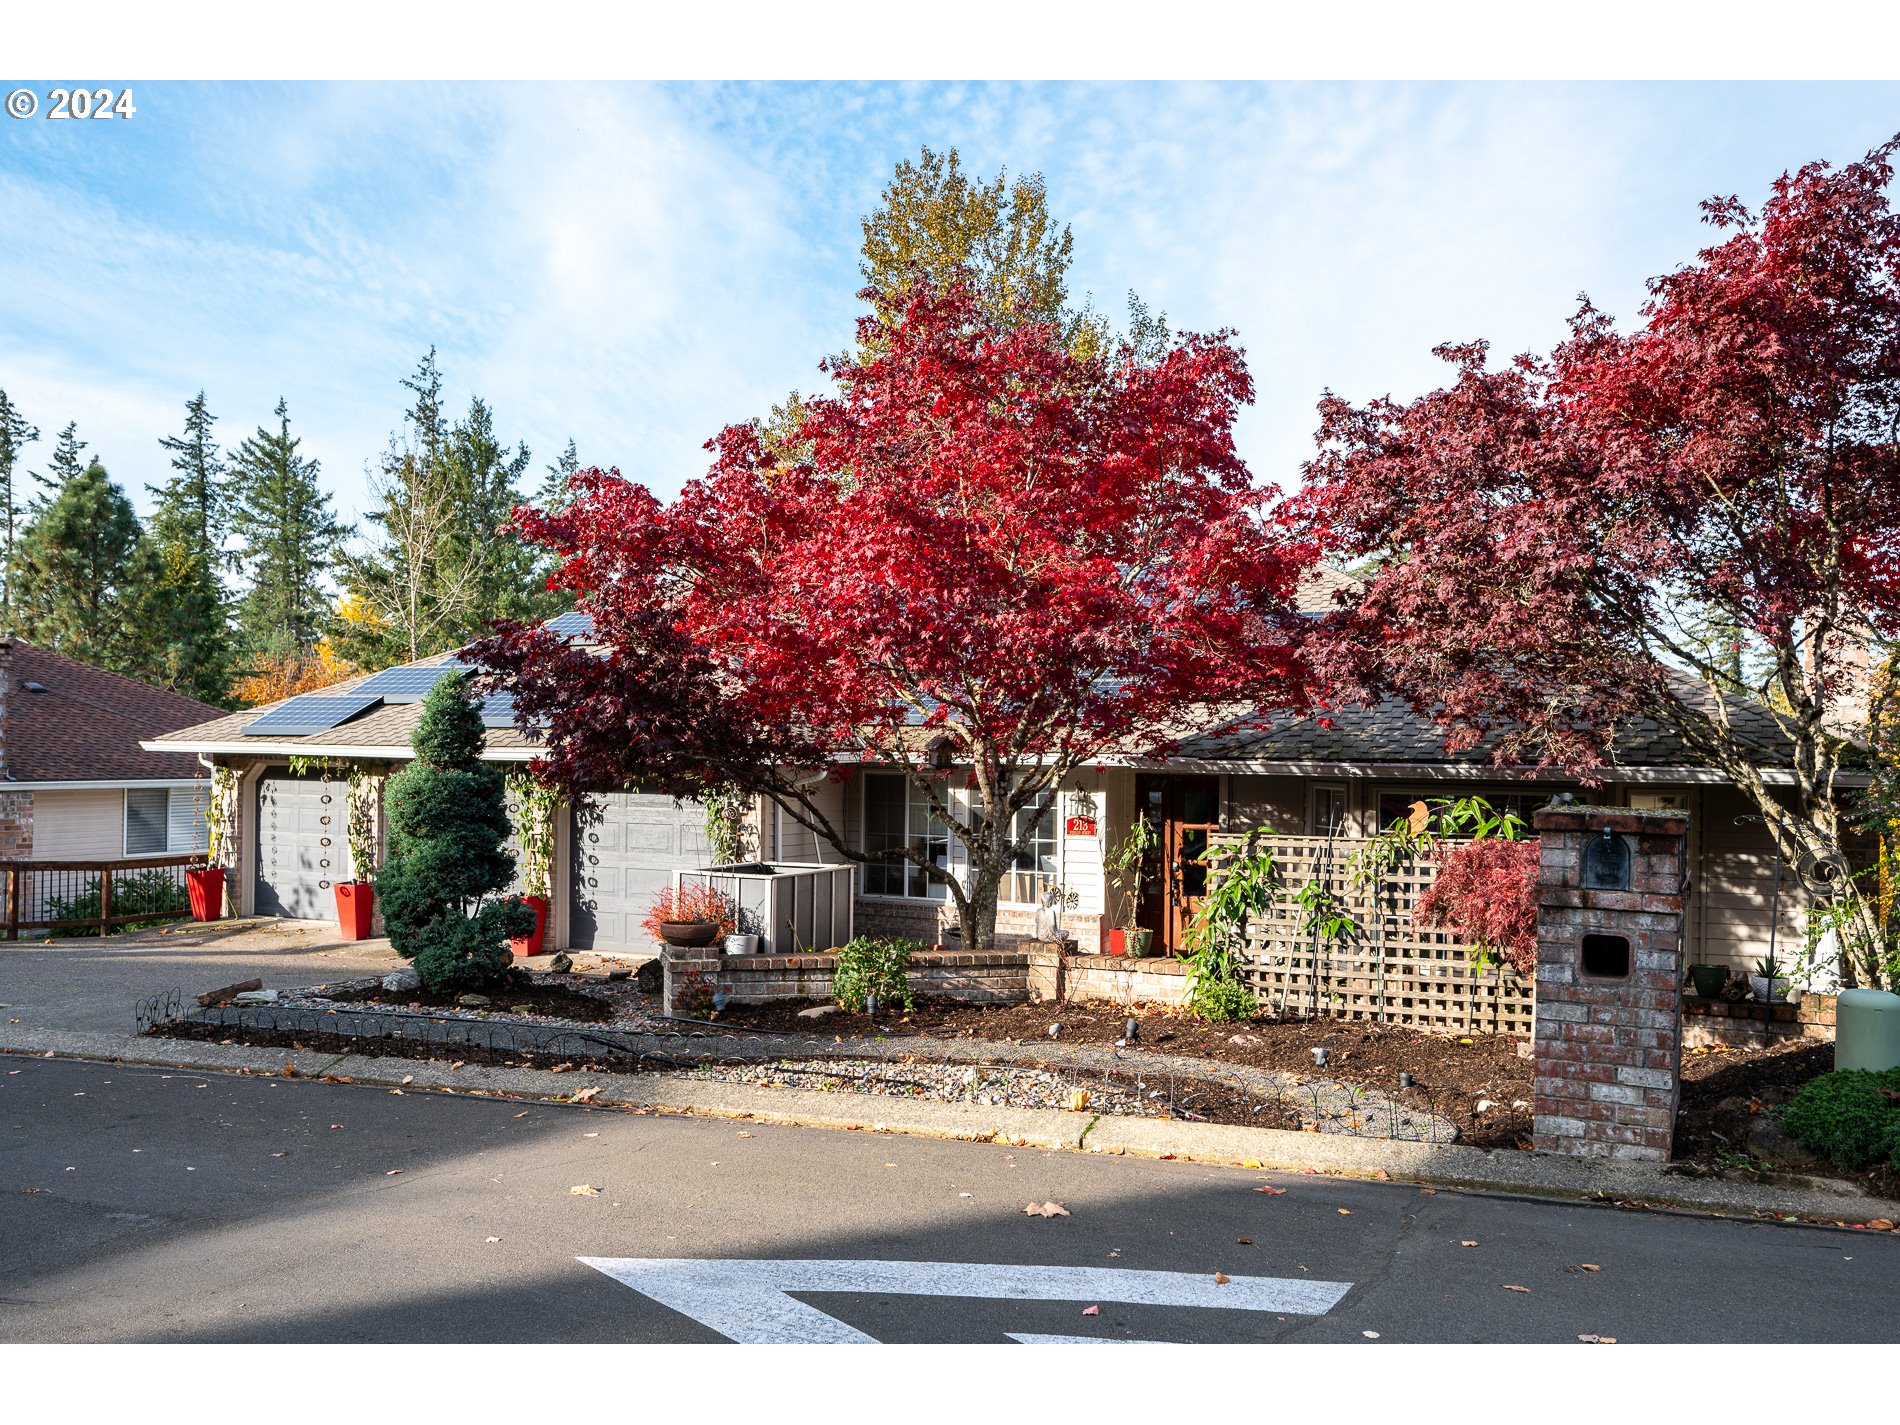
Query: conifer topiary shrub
[[1851, 1115], [440, 883]]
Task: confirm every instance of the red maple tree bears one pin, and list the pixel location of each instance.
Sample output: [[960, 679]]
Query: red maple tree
[[1567, 543], [985, 561]]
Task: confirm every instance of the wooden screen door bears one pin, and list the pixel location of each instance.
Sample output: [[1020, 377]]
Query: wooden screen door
[[1183, 810]]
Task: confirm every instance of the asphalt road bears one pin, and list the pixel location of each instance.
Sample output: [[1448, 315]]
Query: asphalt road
[[162, 1205]]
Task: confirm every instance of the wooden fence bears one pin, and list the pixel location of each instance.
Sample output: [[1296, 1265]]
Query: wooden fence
[[1384, 968], [95, 897]]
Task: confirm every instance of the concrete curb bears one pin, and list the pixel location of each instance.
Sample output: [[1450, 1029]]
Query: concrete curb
[[1441, 1165]]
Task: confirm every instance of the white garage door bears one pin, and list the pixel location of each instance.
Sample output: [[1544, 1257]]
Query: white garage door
[[626, 846], [302, 846]]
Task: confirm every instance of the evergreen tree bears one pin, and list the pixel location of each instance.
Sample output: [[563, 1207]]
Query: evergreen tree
[[16, 433], [190, 612], [558, 488], [82, 581], [443, 568], [65, 467], [287, 538], [448, 819]]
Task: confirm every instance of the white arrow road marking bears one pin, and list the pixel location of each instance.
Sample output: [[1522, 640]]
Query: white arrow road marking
[[749, 1301]]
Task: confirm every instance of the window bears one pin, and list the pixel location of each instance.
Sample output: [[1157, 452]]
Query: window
[[161, 820], [897, 816], [1034, 869], [1329, 809]]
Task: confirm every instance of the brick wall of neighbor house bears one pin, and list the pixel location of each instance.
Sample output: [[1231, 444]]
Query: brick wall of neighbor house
[[16, 826]]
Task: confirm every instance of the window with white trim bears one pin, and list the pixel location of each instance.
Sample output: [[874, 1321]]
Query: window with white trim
[[165, 820], [897, 815], [1034, 868]]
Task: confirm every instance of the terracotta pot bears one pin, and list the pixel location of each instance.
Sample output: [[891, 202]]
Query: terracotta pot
[[530, 944], [689, 934], [205, 886], [355, 908]]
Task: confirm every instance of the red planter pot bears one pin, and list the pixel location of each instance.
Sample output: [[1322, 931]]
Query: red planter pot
[[205, 886], [526, 945], [355, 908]]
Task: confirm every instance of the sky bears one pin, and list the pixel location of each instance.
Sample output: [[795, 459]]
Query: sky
[[633, 266]]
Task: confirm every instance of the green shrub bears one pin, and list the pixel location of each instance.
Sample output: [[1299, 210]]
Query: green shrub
[[871, 965], [1853, 1117], [1222, 1001], [440, 886], [148, 892]]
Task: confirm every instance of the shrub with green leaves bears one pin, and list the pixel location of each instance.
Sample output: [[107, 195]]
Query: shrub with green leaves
[[441, 882], [1852, 1116], [872, 965], [148, 892]]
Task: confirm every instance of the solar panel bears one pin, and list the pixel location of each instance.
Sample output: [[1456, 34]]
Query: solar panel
[[498, 710], [409, 685], [311, 712], [575, 626]]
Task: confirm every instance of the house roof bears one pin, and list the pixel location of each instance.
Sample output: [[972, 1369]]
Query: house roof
[[67, 721], [1392, 734], [381, 731]]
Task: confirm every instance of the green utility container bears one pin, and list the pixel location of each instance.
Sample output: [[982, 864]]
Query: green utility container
[[1867, 1030]]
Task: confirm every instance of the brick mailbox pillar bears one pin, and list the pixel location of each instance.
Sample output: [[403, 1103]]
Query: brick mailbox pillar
[[1609, 981]]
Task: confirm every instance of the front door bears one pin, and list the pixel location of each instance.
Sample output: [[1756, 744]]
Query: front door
[[1183, 811]]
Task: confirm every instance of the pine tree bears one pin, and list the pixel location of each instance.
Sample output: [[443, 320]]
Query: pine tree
[[287, 537], [558, 488], [16, 433], [82, 582], [63, 469], [508, 577], [191, 611], [446, 863]]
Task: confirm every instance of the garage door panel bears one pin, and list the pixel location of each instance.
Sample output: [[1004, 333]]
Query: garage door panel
[[626, 847], [302, 846]]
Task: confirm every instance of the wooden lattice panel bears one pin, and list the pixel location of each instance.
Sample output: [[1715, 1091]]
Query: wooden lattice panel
[[1388, 970]]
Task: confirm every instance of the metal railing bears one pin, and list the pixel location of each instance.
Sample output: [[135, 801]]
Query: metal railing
[[95, 897]]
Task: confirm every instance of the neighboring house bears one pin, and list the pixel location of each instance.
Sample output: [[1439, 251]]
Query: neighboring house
[[75, 783], [1296, 776]]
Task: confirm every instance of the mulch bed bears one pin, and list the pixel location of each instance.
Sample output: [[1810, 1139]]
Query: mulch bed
[[536, 996]]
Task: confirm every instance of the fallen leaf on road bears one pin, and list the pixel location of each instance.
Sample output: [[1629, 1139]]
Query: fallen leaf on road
[[1526, 1290], [336, 1125], [583, 1190], [966, 1194], [1383, 1176], [1428, 1192], [408, 1078], [494, 1239], [1116, 1253], [1467, 1244], [522, 1114], [1249, 1163], [1045, 1209], [1594, 1340], [1590, 1267], [584, 1096], [1343, 1211], [457, 1064], [1370, 1335], [1272, 1191], [1220, 1279], [1091, 1311], [393, 1173], [744, 1134], [1244, 1241]]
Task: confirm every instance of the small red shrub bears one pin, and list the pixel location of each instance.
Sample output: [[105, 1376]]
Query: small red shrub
[[691, 902], [1486, 895]]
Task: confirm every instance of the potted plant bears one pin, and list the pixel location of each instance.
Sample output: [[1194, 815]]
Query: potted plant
[[204, 885], [356, 898], [1770, 981], [532, 806], [689, 916], [1126, 864], [745, 939], [1709, 979]]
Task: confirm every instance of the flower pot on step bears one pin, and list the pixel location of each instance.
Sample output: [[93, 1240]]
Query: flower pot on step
[[1780, 992], [530, 944], [689, 934], [355, 908], [1708, 979], [205, 887]]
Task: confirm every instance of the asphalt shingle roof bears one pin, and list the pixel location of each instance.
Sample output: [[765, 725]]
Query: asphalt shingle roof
[[67, 721]]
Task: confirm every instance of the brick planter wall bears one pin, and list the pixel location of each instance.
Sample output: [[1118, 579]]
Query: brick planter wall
[[1744, 1024], [998, 977], [1122, 979], [1608, 1045]]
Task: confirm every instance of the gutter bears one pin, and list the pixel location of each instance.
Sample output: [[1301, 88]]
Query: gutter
[[251, 746]]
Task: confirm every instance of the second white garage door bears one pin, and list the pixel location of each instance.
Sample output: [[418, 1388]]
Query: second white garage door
[[625, 847]]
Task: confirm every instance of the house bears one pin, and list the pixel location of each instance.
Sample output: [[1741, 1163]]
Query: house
[[1345, 776], [75, 782]]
